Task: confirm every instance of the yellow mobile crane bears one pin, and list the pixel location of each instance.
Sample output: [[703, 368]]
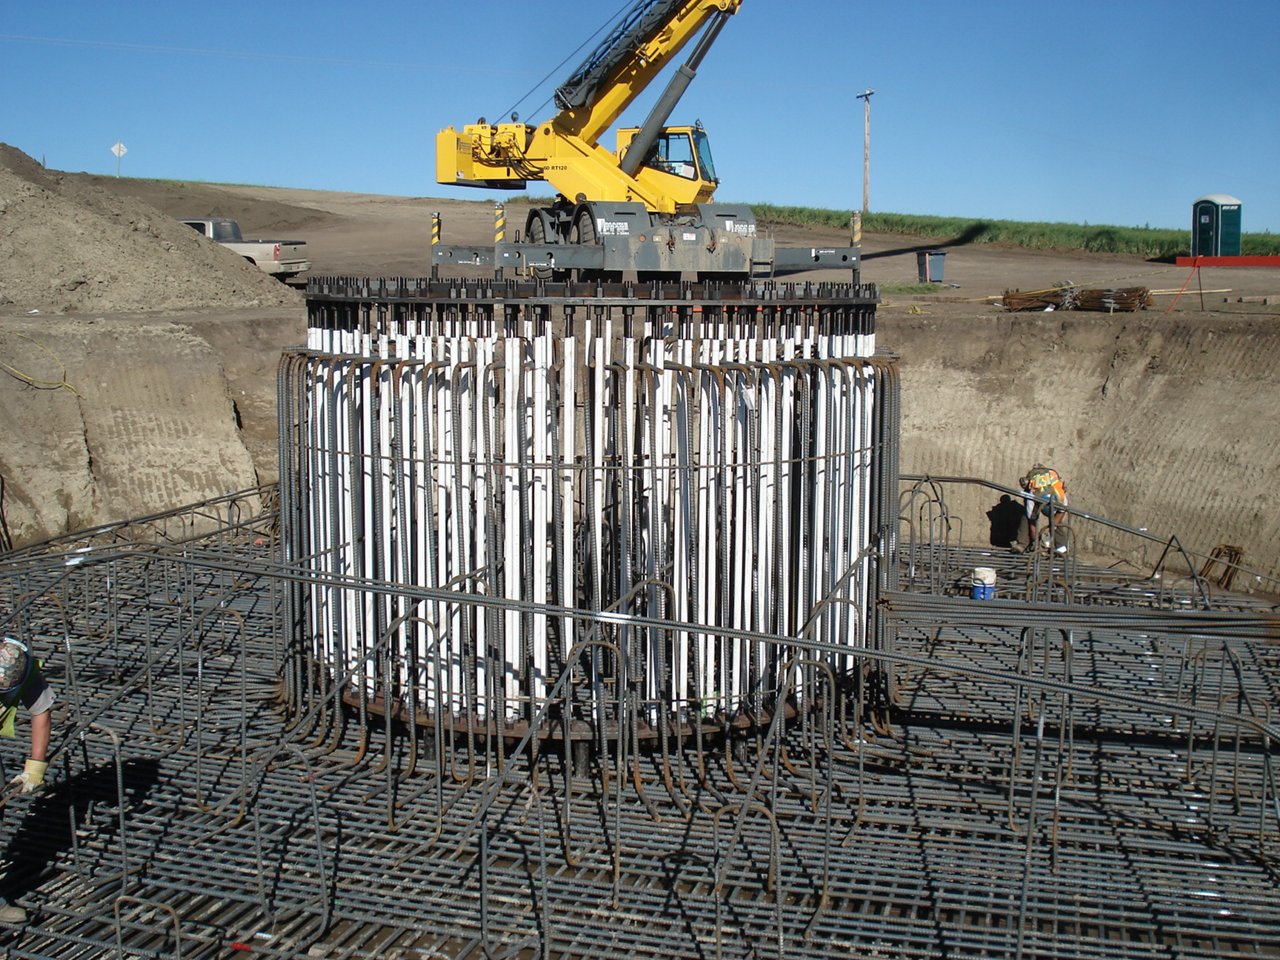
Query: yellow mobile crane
[[643, 208]]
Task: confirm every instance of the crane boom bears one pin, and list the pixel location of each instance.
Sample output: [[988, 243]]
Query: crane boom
[[645, 138], [643, 20], [565, 151], [627, 61]]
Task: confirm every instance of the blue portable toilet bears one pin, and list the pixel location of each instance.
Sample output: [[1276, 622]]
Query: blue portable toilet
[[1215, 226]]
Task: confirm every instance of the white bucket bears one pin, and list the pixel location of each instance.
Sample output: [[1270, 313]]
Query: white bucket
[[984, 575]]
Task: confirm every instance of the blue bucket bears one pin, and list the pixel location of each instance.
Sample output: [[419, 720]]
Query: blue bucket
[[983, 584]]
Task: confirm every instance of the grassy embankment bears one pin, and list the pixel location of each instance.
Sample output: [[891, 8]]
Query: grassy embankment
[[1136, 241]]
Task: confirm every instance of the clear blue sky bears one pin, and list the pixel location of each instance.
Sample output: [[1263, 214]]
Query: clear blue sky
[[1099, 111]]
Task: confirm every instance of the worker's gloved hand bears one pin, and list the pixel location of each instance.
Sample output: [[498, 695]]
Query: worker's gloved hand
[[32, 775]]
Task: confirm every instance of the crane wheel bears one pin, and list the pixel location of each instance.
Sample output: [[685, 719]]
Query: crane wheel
[[537, 234], [583, 232], [584, 227]]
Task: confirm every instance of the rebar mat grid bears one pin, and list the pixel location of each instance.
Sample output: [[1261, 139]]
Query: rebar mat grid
[[987, 818]]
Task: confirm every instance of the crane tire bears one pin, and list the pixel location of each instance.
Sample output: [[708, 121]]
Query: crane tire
[[537, 233]]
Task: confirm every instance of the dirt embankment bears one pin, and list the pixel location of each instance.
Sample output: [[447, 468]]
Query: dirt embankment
[[1154, 421], [69, 245], [168, 349], [114, 403]]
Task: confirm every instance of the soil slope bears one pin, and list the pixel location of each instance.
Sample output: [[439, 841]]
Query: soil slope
[[111, 406], [69, 245]]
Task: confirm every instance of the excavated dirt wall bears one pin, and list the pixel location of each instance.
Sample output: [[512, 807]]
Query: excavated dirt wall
[[1164, 423], [117, 418], [1154, 421]]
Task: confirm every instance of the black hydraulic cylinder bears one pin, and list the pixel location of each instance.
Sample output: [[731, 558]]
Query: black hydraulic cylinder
[[653, 124], [640, 23]]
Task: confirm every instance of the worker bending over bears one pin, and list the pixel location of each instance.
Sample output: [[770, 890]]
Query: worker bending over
[[1047, 493], [21, 682]]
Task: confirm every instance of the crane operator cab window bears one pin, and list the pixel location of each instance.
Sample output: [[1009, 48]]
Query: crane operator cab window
[[683, 153]]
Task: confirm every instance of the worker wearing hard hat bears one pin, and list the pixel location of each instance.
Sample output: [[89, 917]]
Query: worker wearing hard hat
[[1047, 492], [22, 683]]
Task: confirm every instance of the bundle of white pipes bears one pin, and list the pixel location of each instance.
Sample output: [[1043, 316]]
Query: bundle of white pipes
[[685, 487]]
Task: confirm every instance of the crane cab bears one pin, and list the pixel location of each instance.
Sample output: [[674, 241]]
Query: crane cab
[[679, 164]]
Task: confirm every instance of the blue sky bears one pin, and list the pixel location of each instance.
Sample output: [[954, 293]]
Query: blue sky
[[1120, 112]]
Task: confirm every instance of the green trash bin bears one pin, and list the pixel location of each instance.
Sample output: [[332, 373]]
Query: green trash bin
[[1215, 226], [930, 265]]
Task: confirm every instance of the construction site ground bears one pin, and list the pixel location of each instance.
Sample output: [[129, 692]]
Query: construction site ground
[[141, 364], [1091, 779]]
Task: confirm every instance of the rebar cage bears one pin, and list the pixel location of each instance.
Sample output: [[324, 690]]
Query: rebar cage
[[724, 461]]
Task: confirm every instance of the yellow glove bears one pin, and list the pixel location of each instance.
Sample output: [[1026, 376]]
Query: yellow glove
[[32, 775]]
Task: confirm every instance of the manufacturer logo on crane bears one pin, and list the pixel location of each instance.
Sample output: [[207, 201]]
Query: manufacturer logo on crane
[[612, 228]]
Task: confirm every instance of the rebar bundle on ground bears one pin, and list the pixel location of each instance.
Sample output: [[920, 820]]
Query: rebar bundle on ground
[[1107, 300]]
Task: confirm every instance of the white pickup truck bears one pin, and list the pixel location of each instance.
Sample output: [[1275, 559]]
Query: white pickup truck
[[283, 259]]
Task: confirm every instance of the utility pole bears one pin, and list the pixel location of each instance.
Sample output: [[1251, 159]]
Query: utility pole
[[865, 97]]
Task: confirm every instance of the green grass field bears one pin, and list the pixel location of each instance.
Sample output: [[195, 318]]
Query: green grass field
[[1138, 241]]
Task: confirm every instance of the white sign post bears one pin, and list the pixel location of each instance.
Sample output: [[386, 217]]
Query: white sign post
[[119, 150]]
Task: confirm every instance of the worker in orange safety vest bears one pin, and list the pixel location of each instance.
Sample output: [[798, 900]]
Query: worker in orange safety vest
[[1047, 492]]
